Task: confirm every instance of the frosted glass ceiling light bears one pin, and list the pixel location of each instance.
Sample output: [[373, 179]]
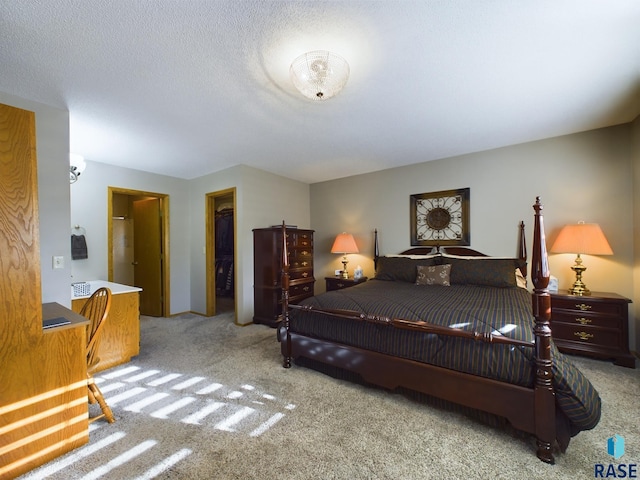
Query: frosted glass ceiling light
[[319, 75]]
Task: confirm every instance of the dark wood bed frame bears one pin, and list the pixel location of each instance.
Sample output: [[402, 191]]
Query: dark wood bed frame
[[531, 410]]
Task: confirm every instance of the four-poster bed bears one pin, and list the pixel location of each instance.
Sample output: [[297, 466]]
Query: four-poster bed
[[469, 335]]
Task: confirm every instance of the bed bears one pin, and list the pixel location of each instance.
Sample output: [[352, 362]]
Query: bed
[[455, 325]]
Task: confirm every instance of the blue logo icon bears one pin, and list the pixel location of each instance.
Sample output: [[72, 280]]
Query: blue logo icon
[[615, 446]]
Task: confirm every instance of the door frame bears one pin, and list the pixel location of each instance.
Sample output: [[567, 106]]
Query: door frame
[[164, 211], [210, 250]]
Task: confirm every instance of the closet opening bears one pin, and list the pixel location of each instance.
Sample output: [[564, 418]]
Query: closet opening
[[220, 252]]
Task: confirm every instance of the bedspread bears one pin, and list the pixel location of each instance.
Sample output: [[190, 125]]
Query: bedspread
[[500, 311]]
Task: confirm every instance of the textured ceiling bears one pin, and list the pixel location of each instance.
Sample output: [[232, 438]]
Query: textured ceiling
[[186, 88]]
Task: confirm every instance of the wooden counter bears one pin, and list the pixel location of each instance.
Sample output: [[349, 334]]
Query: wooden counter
[[121, 334]]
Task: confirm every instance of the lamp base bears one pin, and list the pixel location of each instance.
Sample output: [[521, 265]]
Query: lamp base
[[579, 288], [344, 273]]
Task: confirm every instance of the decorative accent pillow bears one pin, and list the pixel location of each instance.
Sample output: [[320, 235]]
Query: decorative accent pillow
[[434, 275], [400, 269], [521, 280]]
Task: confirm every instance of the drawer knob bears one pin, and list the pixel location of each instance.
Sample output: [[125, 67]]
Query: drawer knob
[[340, 285], [304, 264], [584, 335], [305, 274], [583, 306], [304, 252], [583, 321], [306, 289]]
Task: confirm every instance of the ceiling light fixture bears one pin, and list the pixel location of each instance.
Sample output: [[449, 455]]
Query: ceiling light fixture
[[320, 74]]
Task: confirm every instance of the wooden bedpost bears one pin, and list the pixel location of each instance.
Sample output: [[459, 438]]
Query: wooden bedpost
[[285, 334], [522, 246], [376, 250], [544, 395]]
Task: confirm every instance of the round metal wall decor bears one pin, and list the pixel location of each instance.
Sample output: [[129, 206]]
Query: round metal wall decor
[[440, 218]]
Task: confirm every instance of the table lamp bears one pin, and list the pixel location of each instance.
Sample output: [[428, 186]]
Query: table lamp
[[581, 238], [344, 244]]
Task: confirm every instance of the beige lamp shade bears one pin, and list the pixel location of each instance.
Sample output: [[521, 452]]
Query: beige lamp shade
[[582, 238], [344, 243]]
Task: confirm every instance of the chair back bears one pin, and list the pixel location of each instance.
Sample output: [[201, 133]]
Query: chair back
[[96, 310]]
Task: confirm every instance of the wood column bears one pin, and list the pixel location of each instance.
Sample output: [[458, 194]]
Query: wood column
[[43, 380]]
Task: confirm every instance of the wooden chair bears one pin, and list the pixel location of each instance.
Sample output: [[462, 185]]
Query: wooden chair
[[96, 310]]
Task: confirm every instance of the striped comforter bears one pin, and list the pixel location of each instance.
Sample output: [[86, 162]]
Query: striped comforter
[[505, 311]]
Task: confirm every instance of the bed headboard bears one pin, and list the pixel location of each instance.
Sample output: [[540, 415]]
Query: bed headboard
[[454, 250]]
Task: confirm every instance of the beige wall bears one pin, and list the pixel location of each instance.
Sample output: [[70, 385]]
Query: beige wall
[[586, 176], [635, 144], [262, 199], [89, 209]]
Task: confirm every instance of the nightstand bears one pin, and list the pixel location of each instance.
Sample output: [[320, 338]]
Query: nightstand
[[595, 325], [338, 283]]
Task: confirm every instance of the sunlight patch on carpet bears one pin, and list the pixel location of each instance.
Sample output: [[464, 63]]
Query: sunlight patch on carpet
[[193, 401]]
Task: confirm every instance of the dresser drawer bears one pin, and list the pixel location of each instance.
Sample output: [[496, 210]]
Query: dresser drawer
[[582, 334], [301, 289], [299, 239], [301, 258], [303, 273]]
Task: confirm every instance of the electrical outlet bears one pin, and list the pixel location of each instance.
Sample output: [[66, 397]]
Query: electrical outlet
[[58, 262]]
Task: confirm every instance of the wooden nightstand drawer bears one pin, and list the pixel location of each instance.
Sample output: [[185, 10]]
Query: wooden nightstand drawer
[[582, 304], [338, 283], [586, 319], [578, 333]]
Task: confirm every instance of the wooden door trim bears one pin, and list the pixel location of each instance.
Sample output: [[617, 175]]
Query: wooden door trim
[[164, 209], [210, 250]]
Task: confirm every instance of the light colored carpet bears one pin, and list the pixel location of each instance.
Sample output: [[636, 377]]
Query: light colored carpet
[[206, 399]]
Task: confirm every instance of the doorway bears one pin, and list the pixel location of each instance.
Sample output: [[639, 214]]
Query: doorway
[[138, 253], [220, 252]]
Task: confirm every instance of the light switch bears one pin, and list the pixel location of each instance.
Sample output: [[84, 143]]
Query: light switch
[[58, 262]]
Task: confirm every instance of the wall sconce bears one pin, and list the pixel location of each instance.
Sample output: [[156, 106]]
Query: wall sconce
[[76, 166], [581, 238], [319, 75], [344, 244]]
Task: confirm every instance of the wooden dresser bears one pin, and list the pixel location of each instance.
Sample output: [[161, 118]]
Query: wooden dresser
[[267, 270], [595, 325]]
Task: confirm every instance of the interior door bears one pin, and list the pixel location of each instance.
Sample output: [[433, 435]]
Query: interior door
[[147, 252]]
